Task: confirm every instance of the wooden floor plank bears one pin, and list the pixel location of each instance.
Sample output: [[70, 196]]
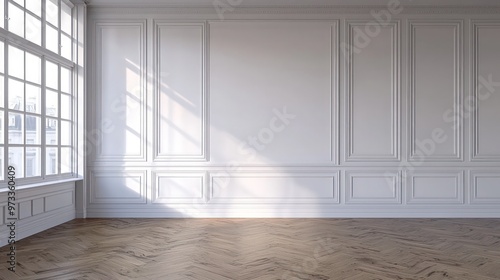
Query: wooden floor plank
[[243, 249]]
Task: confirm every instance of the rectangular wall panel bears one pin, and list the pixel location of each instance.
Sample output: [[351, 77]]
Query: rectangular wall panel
[[38, 206], [171, 187], [435, 82], [272, 86], [485, 90], [274, 188], [372, 91], [60, 200], [372, 187], [120, 84], [435, 187], [24, 209], [485, 187], [118, 187], [180, 124]]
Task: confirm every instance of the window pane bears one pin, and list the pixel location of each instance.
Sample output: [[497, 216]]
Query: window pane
[[33, 29], [2, 91], [16, 159], [65, 18], [66, 160], [16, 20], [34, 7], [16, 135], [51, 75], [34, 69], [2, 13], [2, 168], [65, 133], [65, 80], [52, 12], [51, 39], [51, 103], [2, 61], [33, 130], [51, 161], [16, 95], [33, 160], [16, 68], [33, 99], [65, 106], [20, 2], [66, 46], [51, 131], [1, 129]]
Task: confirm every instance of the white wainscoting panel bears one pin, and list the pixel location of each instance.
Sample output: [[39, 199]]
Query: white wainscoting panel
[[372, 91], [274, 188], [178, 187], [60, 200], [120, 91], [437, 186], [372, 187], [117, 187], [38, 206], [273, 92], [180, 100], [435, 73], [485, 187], [485, 91], [24, 209]]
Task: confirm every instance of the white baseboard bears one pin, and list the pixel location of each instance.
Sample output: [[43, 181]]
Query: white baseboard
[[300, 212]]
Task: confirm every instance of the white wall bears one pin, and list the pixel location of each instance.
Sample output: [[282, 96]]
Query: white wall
[[294, 113]]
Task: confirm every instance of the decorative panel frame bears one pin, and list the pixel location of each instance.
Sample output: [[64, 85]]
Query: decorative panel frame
[[474, 176], [458, 92], [393, 179], [96, 79], [157, 175], [138, 175], [475, 26], [158, 156], [458, 176], [334, 176], [395, 154]]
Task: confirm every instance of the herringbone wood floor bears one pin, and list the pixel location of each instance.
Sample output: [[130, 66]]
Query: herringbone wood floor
[[261, 249]]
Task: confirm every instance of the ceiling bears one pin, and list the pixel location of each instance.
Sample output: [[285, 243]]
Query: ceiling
[[287, 3]]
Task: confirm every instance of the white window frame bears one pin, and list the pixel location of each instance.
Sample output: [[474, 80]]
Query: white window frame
[[9, 38]]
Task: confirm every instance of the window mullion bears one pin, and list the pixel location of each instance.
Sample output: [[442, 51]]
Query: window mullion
[[59, 26], [24, 126], [44, 22], [59, 125], [6, 16], [6, 108], [43, 119]]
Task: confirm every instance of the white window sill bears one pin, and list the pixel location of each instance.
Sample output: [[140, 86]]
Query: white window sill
[[42, 184]]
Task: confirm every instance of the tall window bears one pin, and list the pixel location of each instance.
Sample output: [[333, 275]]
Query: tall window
[[36, 86]]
